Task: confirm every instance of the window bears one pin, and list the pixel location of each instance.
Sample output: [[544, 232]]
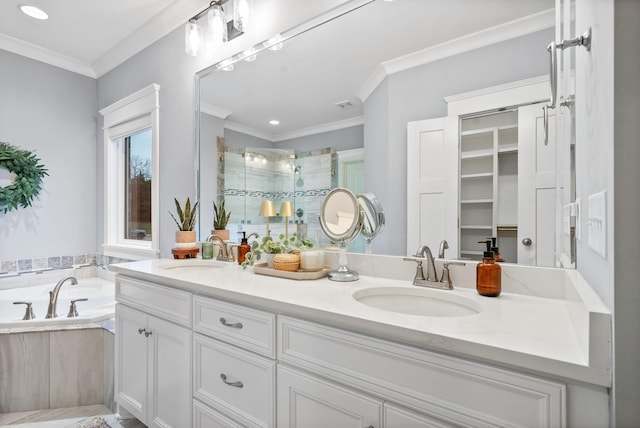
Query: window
[[131, 175]]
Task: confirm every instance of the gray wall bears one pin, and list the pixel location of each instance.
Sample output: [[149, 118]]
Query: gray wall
[[418, 94], [52, 112]]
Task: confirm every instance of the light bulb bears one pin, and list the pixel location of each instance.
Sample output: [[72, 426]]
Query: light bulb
[[274, 43], [249, 55], [192, 37], [241, 13], [217, 25]]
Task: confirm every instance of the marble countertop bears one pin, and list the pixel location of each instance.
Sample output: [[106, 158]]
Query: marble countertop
[[544, 335]]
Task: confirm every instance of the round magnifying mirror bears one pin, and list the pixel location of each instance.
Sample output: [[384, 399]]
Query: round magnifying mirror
[[373, 217], [341, 221]]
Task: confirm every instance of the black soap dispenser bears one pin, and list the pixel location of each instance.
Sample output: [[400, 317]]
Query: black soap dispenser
[[488, 274], [495, 250]]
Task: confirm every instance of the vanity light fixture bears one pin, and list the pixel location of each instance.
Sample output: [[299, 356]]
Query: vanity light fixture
[[219, 28], [33, 12]]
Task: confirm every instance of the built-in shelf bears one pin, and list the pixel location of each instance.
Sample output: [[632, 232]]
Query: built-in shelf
[[476, 201], [488, 143], [471, 154], [476, 176]]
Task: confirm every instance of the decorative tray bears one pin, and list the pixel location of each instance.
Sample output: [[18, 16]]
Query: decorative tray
[[262, 269]]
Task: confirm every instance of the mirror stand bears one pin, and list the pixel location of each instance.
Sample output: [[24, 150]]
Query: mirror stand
[[343, 273]]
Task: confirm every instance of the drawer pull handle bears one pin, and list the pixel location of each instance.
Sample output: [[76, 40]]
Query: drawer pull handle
[[236, 384], [148, 333], [141, 330], [226, 324]]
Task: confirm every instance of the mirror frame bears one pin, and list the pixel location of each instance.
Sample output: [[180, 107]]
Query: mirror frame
[[356, 224]]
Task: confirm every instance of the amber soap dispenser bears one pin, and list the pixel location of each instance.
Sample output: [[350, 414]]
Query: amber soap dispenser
[[488, 274], [243, 248]]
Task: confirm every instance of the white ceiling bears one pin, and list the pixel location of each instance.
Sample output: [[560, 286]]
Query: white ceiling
[[92, 36], [346, 58]]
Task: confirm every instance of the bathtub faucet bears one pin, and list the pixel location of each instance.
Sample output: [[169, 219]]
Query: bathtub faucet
[[53, 295]]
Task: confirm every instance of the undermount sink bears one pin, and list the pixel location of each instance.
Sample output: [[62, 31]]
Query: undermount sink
[[192, 264], [417, 301]]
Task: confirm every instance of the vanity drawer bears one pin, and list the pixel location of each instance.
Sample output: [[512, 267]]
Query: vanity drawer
[[239, 383], [449, 388], [163, 302], [245, 327]]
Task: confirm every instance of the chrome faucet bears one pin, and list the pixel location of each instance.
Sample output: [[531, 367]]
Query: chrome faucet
[[425, 252], [53, 295], [431, 279], [444, 245], [223, 248]]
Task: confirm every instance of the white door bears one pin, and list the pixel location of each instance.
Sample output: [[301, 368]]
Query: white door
[[432, 184], [169, 374], [536, 188], [131, 361], [305, 401]]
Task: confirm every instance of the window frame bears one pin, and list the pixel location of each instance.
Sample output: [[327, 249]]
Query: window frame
[[134, 113]]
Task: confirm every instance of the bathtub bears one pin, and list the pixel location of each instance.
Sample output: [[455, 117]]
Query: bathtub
[[99, 307]]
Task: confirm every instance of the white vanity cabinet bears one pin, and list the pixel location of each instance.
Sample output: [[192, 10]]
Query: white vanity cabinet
[[432, 388], [234, 363], [153, 353]]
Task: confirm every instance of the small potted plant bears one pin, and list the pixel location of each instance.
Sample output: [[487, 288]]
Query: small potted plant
[[269, 247], [186, 220], [220, 220]]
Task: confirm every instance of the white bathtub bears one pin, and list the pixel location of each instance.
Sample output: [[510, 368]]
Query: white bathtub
[[100, 306]]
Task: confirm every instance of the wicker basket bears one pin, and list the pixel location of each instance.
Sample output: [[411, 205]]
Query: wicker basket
[[287, 262]]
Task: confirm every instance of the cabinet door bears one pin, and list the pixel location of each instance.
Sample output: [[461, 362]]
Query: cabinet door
[[536, 188], [399, 417], [131, 361], [305, 401], [169, 380]]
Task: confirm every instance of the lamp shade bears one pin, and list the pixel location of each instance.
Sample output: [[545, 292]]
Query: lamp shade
[[286, 209], [268, 209]]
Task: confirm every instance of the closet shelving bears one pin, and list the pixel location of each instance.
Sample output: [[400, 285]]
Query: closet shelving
[[488, 178]]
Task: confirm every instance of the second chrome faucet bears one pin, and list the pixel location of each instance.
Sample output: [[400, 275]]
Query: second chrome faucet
[[431, 278]]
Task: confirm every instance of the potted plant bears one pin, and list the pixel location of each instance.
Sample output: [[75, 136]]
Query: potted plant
[[220, 220], [186, 220]]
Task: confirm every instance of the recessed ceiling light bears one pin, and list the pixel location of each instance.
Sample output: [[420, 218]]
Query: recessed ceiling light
[[33, 11], [274, 122]]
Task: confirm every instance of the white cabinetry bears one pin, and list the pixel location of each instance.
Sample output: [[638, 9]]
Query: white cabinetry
[[441, 388], [234, 371], [306, 401], [153, 356]]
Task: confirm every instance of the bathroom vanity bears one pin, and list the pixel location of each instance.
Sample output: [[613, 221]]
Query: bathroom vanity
[[211, 345]]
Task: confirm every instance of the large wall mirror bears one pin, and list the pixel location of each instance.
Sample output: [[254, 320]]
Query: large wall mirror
[[341, 87]]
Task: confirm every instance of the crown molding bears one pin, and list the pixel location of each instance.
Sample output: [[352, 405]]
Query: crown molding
[[500, 33], [215, 111], [319, 129], [312, 130], [46, 56], [234, 126], [177, 14]]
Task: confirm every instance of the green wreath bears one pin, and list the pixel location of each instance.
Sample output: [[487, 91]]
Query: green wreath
[[27, 181]]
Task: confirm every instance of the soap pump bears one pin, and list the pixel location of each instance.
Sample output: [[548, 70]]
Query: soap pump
[[496, 252], [243, 248], [488, 274]]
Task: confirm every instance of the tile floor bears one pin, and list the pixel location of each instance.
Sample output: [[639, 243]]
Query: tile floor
[[64, 418]]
